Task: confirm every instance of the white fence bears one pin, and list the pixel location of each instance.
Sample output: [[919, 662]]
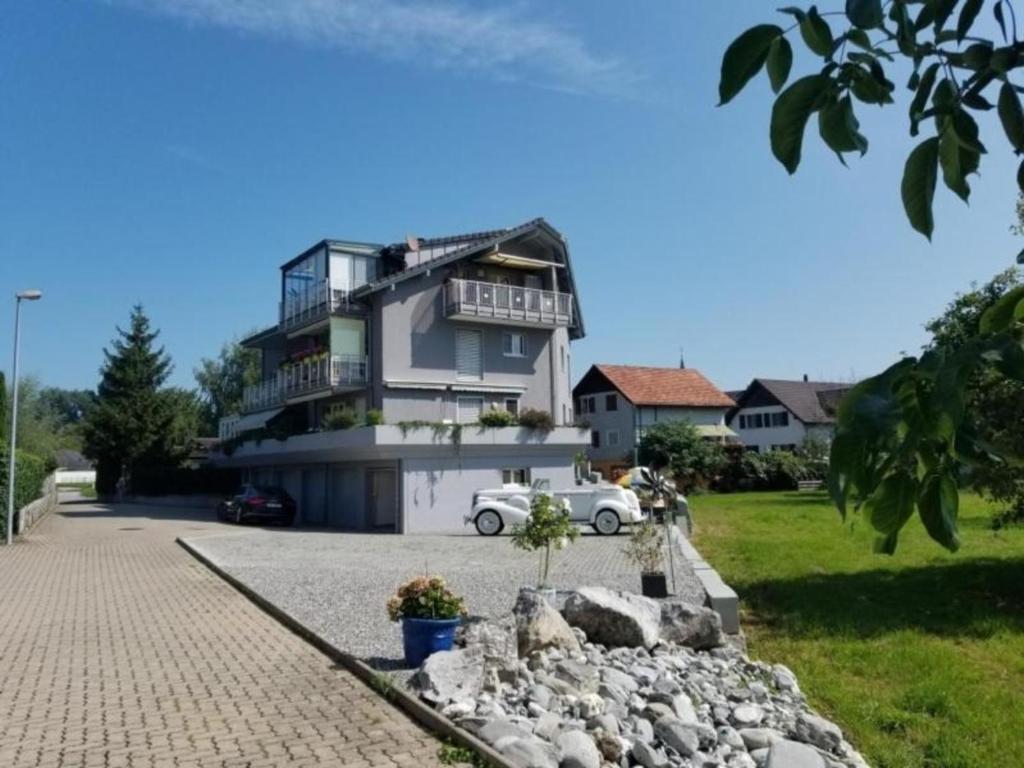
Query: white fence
[[76, 477]]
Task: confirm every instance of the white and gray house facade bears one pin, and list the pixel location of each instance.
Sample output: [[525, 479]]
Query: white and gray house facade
[[431, 333], [781, 414]]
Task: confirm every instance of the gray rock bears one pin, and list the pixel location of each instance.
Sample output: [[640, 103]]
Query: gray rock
[[691, 625], [448, 676], [707, 735], [656, 710], [759, 738], [591, 705], [612, 692], [582, 677], [818, 731], [684, 708], [530, 753], [678, 735], [759, 756], [539, 626], [643, 729], [606, 723], [497, 733], [609, 745], [784, 679], [740, 760], [496, 641], [649, 757], [547, 726], [747, 716], [618, 711], [535, 710], [578, 750], [793, 754], [619, 679], [731, 738], [614, 618], [540, 694]]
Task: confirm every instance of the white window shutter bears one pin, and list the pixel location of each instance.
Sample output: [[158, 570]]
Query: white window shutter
[[469, 354]]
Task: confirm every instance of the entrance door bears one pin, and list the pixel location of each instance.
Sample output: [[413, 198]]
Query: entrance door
[[383, 498]]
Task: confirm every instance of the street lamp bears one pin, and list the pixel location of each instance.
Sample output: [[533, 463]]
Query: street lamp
[[22, 296]]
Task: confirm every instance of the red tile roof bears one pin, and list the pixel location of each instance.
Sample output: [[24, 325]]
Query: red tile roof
[[665, 386]]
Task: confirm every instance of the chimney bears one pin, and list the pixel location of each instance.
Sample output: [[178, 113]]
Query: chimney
[[805, 377]]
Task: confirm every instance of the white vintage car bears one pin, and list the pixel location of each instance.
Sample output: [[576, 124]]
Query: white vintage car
[[603, 506]]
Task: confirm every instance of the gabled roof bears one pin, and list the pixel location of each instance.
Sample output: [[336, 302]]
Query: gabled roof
[[641, 385], [812, 402]]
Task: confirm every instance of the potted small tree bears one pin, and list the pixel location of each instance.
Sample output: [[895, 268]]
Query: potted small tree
[[646, 549], [430, 613], [549, 527]]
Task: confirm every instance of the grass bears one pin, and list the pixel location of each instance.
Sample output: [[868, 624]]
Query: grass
[[86, 489], [919, 657]]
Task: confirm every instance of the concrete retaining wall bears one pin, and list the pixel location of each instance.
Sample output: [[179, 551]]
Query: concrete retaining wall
[[34, 511], [720, 596]]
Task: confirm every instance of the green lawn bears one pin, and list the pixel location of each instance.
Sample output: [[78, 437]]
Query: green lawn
[[919, 657]]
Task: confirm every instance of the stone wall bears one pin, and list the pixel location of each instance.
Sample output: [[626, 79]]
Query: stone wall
[[32, 512]]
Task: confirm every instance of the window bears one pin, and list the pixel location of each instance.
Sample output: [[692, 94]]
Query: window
[[516, 476], [780, 419], [789, 447], [595, 439], [469, 409], [513, 344], [512, 405], [743, 421], [613, 438], [611, 402], [591, 405], [469, 354]]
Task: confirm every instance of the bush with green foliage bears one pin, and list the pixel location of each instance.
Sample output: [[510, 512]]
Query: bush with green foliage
[[646, 547], [374, 417], [534, 418], [494, 417], [339, 418], [677, 448], [30, 473], [549, 527]]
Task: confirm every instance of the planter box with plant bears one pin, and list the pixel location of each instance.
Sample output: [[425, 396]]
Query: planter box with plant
[[430, 613], [646, 549], [549, 527]]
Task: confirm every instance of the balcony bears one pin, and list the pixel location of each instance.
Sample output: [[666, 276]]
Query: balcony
[[315, 303], [506, 304], [323, 375]]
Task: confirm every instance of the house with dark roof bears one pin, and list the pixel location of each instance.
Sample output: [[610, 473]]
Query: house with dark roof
[[426, 335], [621, 401], [779, 414]]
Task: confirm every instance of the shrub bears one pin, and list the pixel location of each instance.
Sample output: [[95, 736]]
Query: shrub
[[548, 527], [339, 418], [533, 418], [183, 481], [678, 448], [496, 418], [425, 597], [30, 472], [646, 547], [374, 417]]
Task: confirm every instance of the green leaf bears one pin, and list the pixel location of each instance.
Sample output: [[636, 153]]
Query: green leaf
[[744, 58], [859, 38], [1011, 116], [998, 12], [952, 171], [937, 504], [977, 56], [924, 90], [816, 33], [1000, 315], [790, 113], [796, 13], [839, 127], [1020, 177], [780, 61], [942, 10], [967, 16], [967, 131], [865, 14], [891, 505], [918, 186]]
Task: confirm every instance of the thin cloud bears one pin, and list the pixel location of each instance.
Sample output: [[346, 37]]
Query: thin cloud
[[503, 43]]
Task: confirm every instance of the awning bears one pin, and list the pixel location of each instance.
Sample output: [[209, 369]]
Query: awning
[[719, 431], [256, 420]]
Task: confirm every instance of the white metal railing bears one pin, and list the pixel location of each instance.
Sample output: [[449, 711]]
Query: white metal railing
[[228, 426], [305, 376], [313, 303], [507, 301]]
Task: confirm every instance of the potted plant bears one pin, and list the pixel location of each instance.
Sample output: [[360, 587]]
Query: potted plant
[[663, 494], [430, 613], [549, 527], [646, 549]]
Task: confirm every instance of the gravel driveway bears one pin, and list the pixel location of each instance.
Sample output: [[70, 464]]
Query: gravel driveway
[[338, 583]]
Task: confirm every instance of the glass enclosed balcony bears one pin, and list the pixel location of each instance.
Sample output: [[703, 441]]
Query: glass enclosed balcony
[[322, 374]]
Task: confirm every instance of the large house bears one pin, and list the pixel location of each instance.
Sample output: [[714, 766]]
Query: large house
[[621, 401], [779, 415], [417, 339]]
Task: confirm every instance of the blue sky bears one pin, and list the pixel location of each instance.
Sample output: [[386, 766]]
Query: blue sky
[[175, 152]]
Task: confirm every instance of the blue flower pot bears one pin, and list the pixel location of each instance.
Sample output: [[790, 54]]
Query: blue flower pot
[[422, 637]]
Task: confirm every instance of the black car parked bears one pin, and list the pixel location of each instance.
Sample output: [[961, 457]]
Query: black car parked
[[258, 502]]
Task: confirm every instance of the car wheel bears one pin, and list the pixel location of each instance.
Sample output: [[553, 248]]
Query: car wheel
[[489, 523], [607, 522]]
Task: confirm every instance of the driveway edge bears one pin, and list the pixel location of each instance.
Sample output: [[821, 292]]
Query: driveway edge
[[720, 596], [426, 716]]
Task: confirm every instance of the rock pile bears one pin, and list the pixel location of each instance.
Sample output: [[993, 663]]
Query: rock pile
[[622, 680]]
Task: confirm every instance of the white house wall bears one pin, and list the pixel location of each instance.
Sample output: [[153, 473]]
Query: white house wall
[[766, 437]]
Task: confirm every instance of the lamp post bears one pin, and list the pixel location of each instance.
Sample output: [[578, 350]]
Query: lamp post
[[22, 296]]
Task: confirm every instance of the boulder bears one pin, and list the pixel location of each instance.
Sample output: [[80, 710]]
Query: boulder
[[818, 731], [614, 618], [547, 726], [498, 733], [793, 754], [496, 640], [691, 625], [539, 626], [649, 757], [530, 753], [578, 750], [582, 677], [619, 679], [678, 735], [449, 676], [759, 738], [747, 716]]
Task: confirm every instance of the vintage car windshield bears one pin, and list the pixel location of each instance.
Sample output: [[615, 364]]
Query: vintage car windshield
[[541, 484]]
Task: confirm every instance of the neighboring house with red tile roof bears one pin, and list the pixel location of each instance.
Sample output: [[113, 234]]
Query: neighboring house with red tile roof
[[780, 414], [621, 401]]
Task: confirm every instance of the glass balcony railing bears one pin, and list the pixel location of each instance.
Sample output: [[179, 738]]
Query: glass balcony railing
[[315, 302], [527, 306], [324, 373]]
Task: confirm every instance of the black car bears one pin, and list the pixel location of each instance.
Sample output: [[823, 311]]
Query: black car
[[258, 502]]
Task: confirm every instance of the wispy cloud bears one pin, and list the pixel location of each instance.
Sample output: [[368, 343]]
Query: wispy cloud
[[504, 43]]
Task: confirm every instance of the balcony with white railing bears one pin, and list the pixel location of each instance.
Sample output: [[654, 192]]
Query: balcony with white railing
[[322, 374], [506, 304], [315, 303]]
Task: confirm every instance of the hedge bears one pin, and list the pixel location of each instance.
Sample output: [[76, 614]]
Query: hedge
[[30, 473], [179, 481]]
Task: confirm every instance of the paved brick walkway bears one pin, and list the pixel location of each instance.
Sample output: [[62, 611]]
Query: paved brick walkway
[[117, 648]]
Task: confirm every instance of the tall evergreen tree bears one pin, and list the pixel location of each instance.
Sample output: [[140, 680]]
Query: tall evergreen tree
[[132, 423]]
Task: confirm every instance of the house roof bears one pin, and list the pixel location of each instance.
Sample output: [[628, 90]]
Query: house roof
[[812, 402], [643, 385]]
